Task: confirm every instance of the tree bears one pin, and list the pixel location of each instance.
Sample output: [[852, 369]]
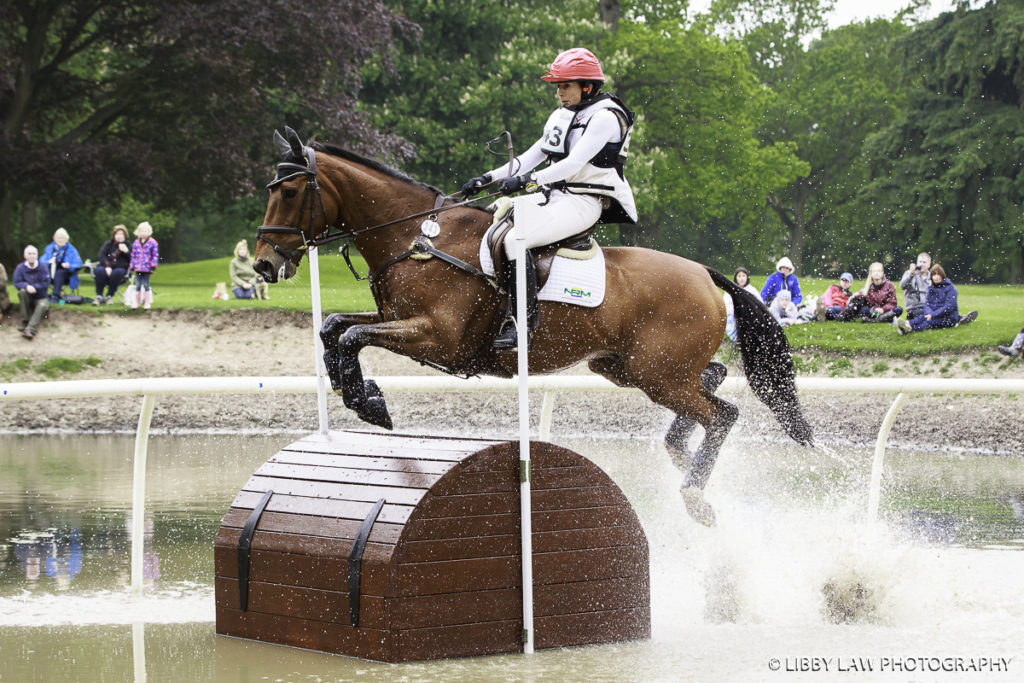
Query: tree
[[947, 173], [172, 100]]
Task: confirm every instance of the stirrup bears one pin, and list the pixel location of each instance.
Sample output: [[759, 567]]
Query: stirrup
[[507, 337]]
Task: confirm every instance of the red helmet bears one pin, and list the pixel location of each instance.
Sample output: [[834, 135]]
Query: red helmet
[[577, 64]]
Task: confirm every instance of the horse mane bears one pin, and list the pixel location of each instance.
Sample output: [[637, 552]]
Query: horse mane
[[348, 155]]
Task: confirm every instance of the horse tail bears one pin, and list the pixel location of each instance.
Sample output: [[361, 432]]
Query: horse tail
[[766, 358]]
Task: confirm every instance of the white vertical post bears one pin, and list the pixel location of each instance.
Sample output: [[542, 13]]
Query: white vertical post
[[139, 651], [525, 504], [139, 492], [318, 345], [875, 489]]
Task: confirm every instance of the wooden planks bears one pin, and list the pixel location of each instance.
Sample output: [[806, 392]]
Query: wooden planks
[[441, 572]]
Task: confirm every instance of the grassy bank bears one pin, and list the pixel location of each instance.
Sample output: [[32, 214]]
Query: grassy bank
[[1001, 308]]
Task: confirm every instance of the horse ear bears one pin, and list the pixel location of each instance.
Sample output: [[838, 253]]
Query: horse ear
[[281, 145], [293, 139]]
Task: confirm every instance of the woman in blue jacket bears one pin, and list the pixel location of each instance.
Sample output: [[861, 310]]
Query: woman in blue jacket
[[782, 278], [62, 260], [940, 307]]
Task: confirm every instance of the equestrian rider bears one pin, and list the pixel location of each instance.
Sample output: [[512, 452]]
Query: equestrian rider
[[585, 142]]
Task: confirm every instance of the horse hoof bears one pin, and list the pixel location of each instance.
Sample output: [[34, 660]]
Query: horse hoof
[[375, 411], [698, 508]]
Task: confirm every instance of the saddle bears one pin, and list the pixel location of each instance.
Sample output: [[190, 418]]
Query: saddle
[[580, 246]]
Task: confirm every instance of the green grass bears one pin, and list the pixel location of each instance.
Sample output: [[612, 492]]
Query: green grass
[[51, 367], [1001, 308]]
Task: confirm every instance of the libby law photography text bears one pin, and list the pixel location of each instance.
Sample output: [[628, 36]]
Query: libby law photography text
[[891, 664]]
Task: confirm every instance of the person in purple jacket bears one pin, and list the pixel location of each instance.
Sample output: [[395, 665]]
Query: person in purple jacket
[[145, 254], [32, 279], [940, 307]]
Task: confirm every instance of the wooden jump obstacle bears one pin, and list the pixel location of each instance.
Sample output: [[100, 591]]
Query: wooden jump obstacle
[[401, 548]]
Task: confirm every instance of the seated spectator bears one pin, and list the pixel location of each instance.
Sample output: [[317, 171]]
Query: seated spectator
[[782, 279], [742, 278], [31, 279], [5, 300], [63, 261], [245, 283], [834, 300], [940, 306], [111, 268], [875, 301], [915, 283], [1015, 348], [784, 310]]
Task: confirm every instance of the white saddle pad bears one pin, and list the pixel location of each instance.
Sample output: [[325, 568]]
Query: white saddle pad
[[571, 281]]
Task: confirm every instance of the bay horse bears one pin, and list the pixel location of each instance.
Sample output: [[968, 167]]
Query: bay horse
[[657, 329]]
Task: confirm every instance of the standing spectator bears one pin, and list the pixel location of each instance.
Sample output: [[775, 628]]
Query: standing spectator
[[245, 283], [940, 307], [742, 278], [1015, 348], [112, 264], [875, 301], [782, 279], [5, 300], [61, 257], [784, 310], [31, 279], [915, 283], [833, 302], [145, 254]]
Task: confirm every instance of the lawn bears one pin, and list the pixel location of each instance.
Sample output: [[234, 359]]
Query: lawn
[[1001, 307]]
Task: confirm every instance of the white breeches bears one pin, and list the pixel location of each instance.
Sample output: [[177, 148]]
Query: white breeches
[[565, 215]]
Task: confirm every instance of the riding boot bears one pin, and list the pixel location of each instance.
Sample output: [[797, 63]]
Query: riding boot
[[507, 338]]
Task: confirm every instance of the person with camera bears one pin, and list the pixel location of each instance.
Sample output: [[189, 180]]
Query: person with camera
[[915, 283]]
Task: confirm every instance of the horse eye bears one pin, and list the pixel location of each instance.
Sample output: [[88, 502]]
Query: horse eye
[[290, 192]]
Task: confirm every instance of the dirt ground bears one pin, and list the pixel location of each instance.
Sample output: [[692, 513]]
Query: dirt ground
[[239, 342]]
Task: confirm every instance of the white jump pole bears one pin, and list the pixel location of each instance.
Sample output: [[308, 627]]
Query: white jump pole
[[139, 493], [318, 346], [525, 505]]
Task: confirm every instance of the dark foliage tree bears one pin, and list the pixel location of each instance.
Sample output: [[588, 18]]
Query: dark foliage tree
[[172, 101]]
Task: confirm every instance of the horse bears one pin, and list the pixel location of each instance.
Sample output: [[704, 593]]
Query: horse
[[657, 330]]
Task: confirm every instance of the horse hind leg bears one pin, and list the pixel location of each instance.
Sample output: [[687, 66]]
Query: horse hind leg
[[682, 427], [724, 415]]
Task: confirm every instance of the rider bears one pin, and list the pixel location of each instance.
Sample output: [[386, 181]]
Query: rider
[[585, 142]]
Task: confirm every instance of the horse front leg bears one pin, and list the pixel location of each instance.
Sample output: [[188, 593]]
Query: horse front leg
[[413, 337], [333, 327]]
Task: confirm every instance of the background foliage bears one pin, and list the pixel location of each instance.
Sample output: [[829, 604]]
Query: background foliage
[[761, 130]]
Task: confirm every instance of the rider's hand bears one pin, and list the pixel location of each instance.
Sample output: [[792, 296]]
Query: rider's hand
[[526, 182], [475, 185]]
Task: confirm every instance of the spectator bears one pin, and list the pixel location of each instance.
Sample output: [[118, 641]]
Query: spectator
[[145, 254], [940, 307], [31, 279], [5, 300], [61, 257], [742, 278], [112, 265], [782, 279], [875, 301], [784, 310], [1015, 348], [915, 283], [245, 283], [833, 302]]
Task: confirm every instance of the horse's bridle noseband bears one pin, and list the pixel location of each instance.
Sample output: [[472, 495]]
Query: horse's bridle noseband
[[287, 170]]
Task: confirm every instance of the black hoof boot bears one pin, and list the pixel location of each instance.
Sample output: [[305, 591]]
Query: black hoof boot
[[332, 361], [374, 408]]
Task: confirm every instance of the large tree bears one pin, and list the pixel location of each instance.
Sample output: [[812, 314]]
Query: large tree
[[948, 174], [171, 100]]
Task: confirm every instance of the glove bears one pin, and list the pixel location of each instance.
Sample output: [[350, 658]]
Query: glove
[[475, 185], [526, 182]]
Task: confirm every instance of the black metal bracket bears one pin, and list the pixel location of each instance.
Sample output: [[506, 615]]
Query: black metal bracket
[[355, 562], [244, 546]]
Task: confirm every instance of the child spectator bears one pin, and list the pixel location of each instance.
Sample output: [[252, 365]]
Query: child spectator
[[742, 278], [784, 310], [833, 302], [782, 279], [145, 254]]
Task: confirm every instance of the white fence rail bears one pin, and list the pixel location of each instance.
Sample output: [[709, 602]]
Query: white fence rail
[[151, 388]]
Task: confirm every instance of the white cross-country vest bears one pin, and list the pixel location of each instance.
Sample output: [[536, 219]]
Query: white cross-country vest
[[603, 175]]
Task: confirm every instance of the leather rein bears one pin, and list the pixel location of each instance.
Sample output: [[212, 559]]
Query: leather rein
[[316, 237]]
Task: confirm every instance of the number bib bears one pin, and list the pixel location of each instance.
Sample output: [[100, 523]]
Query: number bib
[[556, 132]]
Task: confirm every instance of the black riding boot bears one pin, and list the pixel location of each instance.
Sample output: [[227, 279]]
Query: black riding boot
[[507, 338]]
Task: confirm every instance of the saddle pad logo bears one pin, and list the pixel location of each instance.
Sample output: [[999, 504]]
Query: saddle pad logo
[[576, 293]]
